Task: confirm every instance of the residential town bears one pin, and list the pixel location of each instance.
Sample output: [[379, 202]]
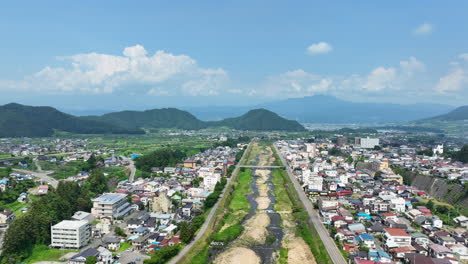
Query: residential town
[[139, 216], [362, 194]]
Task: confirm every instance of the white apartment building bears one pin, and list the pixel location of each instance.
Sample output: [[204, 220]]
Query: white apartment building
[[369, 142], [210, 181], [70, 234], [111, 205]]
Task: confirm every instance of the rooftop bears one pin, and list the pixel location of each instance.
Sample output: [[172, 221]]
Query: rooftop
[[396, 232], [70, 224], [110, 198]]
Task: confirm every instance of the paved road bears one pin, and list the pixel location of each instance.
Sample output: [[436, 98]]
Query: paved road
[[330, 245], [203, 229], [41, 175]]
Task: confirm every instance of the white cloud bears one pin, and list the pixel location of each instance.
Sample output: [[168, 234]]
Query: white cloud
[[454, 81], [380, 79], [104, 73], [412, 66], [424, 29], [300, 83], [296, 83], [319, 48], [463, 56]]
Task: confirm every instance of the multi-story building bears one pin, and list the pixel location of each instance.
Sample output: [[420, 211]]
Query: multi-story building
[[369, 142], [396, 237], [70, 234], [161, 203], [111, 205]]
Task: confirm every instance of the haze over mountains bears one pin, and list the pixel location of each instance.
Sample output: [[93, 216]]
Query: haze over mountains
[[329, 109]]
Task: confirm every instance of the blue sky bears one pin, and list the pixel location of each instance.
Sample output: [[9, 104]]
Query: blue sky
[[116, 54]]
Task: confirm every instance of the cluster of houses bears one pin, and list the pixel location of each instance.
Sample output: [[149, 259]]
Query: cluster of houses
[[368, 210], [146, 210]]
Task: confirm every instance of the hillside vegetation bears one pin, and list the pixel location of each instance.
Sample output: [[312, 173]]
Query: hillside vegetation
[[40, 121], [260, 120], [155, 118], [257, 120]]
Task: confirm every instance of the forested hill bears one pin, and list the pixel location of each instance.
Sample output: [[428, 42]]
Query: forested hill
[[460, 113], [40, 121], [155, 118], [259, 120]]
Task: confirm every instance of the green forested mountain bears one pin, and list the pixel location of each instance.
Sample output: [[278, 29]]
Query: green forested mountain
[[259, 120], [155, 118], [39, 121], [460, 113]]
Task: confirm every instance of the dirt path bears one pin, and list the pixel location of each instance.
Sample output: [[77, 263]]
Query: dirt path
[[238, 255]]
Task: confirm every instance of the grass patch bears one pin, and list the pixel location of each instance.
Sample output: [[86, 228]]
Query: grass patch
[[283, 203], [44, 253], [239, 200], [202, 257], [283, 257], [16, 207], [124, 246], [228, 234]]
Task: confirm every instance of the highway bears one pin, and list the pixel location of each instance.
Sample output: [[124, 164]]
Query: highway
[[330, 245], [205, 225]]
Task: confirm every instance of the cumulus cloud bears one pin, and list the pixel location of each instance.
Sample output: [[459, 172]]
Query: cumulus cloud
[[296, 83], [456, 79], [300, 83], [423, 29], [379, 79], [104, 73], [319, 48]]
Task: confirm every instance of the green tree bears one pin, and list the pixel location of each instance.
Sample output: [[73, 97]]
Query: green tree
[[186, 233], [97, 182], [91, 260], [120, 232], [430, 205]]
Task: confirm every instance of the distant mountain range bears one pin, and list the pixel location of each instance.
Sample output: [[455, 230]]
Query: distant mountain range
[[40, 121], [329, 109], [257, 120]]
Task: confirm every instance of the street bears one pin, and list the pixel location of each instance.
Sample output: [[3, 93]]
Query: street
[[41, 175]]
